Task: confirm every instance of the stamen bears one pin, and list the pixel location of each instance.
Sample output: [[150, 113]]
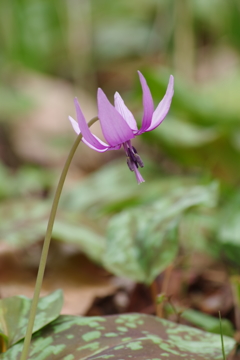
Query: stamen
[[130, 164], [131, 155], [139, 160], [133, 160]]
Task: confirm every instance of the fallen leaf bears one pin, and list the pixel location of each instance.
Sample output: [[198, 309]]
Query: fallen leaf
[[80, 280]]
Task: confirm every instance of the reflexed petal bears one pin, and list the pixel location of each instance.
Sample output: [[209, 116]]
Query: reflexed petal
[[77, 130], [124, 111], [115, 129], [88, 136], [148, 106], [163, 107], [107, 147], [74, 125]]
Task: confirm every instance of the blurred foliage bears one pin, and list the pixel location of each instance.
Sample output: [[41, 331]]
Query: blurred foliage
[[191, 196], [126, 335], [208, 323], [201, 320], [147, 238], [47, 35], [27, 180], [202, 133], [15, 313], [200, 137], [84, 215]]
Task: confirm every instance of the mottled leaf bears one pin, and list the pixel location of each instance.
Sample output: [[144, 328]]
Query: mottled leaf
[[142, 242], [23, 222], [14, 314], [115, 184], [140, 247], [82, 232], [121, 337], [119, 190], [200, 225]]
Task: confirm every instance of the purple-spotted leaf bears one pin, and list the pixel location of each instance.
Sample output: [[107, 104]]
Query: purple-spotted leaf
[[121, 337], [14, 314]]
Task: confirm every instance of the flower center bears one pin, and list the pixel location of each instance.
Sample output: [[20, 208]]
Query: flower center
[[133, 159]]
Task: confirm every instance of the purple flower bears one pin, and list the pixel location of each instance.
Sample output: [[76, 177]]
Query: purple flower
[[119, 126]]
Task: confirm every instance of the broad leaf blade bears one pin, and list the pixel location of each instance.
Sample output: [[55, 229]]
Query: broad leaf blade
[[140, 247], [142, 242], [14, 314], [25, 222], [126, 336]]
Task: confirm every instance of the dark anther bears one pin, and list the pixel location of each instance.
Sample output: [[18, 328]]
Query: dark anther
[[139, 160], [131, 155], [133, 158], [130, 165], [134, 150]]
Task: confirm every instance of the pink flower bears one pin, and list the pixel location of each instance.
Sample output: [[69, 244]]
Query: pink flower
[[119, 126]]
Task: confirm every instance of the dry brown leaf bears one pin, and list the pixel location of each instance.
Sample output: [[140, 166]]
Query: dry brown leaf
[[80, 280]]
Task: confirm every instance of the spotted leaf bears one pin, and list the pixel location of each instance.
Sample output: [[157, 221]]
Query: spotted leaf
[[14, 314], [121, 337], [143, 241]]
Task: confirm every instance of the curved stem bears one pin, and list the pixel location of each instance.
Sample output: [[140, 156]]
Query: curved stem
[[46, 245]]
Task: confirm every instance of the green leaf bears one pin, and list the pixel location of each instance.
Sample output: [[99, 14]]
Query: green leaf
[[25, 181], [25, 221], [142, 242], [193, 103], [119, 190], [114, 180], [121, 337], [207, 322], [14, 314], [81, 231], [229, 227], [200, 225], [179, 133]]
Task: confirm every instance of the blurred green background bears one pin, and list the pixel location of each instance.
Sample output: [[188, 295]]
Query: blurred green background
[[54, 50]]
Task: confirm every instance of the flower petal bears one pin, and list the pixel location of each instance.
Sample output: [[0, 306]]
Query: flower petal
[[106, 147], [89, 138], [101, 150], [163, 107], [148, 106], [124, 111], [115, 129], [74, 125]]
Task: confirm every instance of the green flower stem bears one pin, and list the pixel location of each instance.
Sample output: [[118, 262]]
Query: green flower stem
[[46, 245]]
